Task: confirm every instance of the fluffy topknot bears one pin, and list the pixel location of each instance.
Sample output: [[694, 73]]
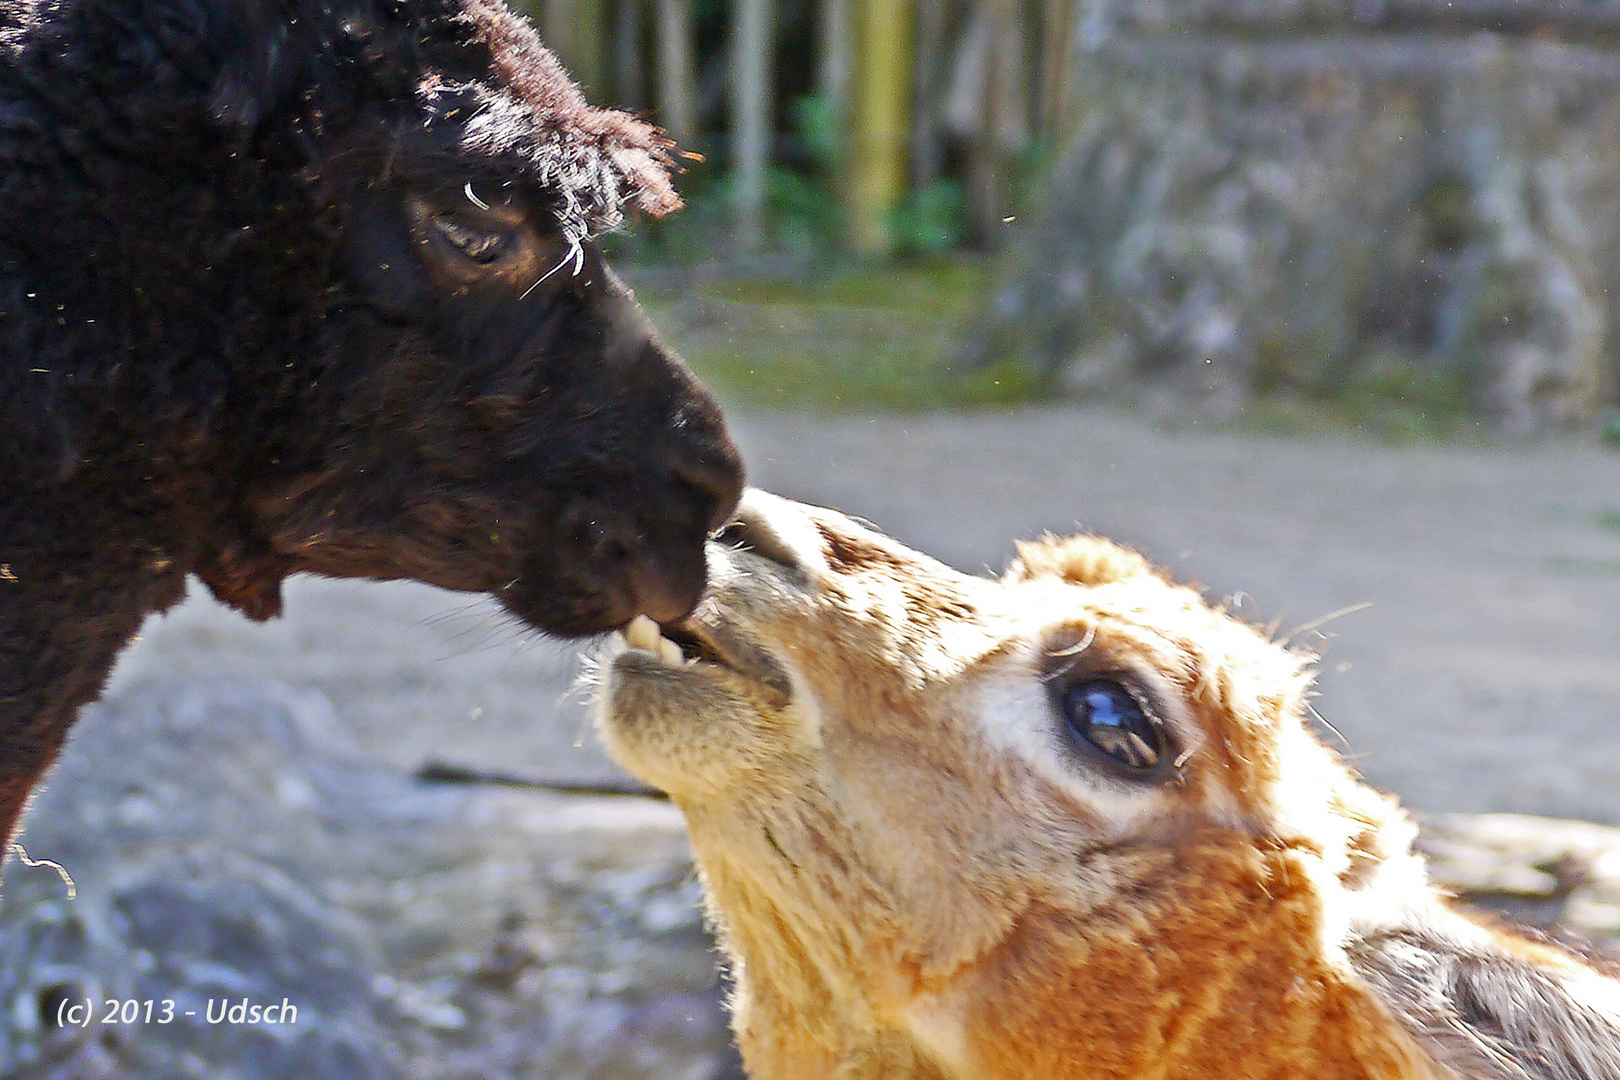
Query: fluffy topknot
[[599, 160], [1084, 560]]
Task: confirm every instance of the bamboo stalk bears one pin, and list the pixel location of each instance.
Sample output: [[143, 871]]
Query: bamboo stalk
[[751, 85], [573, 30], [986, 198], [1058, 19], [627, 46], [880, 120], [833, 66], [677, 109], [930, 72]]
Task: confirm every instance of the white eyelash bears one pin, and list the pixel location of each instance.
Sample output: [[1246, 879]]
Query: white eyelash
[[576, 254]]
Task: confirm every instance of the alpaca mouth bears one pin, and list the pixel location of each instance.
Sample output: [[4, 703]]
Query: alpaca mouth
[[705, 640], [768, 539]]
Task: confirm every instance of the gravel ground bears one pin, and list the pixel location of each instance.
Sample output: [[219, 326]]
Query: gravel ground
[[1478, 670]]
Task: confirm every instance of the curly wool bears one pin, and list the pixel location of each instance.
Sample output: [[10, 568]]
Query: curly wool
[[160, 155], [226, 350], [597, 160]]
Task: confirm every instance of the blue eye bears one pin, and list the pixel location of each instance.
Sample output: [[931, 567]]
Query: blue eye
[[1109, 717]]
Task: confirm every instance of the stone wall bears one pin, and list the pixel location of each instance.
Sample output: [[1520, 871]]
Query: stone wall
[[1303, 196]]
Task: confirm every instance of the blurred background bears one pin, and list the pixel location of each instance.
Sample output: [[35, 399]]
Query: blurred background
[[1399, 209], [1311, 300]]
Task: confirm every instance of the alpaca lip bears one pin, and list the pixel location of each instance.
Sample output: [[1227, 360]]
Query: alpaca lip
[[711, 640], [693, 647]]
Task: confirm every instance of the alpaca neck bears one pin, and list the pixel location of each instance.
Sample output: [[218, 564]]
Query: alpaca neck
[[814, 1000], [63, 621]]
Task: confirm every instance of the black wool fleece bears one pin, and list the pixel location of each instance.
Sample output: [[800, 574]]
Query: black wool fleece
[[312, 285]]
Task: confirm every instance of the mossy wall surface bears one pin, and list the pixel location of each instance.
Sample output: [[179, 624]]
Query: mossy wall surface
[[1325, 198]]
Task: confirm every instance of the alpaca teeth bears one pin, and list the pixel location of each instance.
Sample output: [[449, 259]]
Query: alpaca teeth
[[670, 652], [642, 633]]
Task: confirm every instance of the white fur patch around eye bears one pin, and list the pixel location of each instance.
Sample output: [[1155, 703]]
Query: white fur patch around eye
[[1016, 714]]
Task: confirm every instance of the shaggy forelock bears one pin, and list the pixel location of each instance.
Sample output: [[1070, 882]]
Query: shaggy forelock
[[595, 161]]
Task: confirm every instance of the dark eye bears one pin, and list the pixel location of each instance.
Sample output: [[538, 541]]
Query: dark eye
[[1109, 717], [481, 245]]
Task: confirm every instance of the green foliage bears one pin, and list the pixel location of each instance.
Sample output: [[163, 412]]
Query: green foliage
[[1405, 400], [803, 214], [1398, 398], [1582, 567], [1030, 171], [1609, 425], [696, 233], [879, 337], [951, 289], [932, 219], [804, 217], [804, 209], [816, 123]]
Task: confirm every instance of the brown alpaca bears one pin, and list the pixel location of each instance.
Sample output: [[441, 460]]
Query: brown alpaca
[[1064, 824]]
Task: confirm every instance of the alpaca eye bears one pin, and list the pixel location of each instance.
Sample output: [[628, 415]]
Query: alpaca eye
[[482, 246], [1111, 718]]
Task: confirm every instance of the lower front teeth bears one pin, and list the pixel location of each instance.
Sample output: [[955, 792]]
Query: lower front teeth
[[643, 633]]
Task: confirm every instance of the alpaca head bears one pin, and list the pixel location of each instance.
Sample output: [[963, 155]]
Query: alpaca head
[[355, 319], [1067, 822]]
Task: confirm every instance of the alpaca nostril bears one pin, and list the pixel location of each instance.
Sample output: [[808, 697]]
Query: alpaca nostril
[[716, 475]]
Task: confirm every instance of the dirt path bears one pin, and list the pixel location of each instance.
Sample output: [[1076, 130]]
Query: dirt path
[[1484, 675]]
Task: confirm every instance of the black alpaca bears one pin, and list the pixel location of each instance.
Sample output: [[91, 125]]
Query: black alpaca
[[310, 285]]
